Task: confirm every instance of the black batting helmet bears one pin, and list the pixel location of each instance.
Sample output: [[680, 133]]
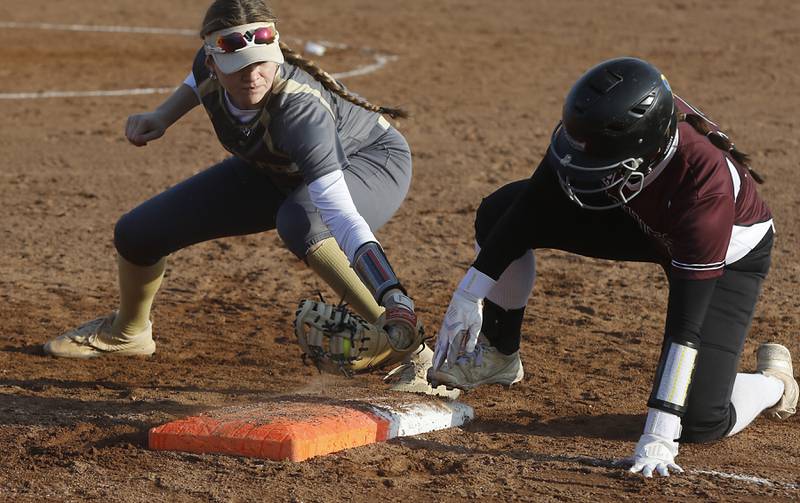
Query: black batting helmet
[[618, 121]]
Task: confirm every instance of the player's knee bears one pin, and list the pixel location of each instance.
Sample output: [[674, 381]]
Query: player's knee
[[131, 244], [485, 218], [294, 228], [701, 429]]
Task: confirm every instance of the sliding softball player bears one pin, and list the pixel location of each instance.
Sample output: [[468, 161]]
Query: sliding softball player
[[634, 173]]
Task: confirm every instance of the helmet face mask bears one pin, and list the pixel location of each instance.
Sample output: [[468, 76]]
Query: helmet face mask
[[614, 179], [618, 122]]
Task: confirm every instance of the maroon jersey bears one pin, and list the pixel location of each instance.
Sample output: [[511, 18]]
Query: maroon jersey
[[699, 210], [701, 206]]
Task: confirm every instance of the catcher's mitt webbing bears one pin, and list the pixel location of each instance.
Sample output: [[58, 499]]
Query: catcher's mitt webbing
[[338, 341]]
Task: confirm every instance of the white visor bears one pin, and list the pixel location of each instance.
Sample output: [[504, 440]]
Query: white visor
[[254, 50]]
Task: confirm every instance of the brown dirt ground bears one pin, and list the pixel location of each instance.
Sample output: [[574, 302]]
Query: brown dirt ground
[[485, 81]]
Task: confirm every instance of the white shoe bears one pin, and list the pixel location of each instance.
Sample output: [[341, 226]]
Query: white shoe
[[94, 339], [775, 361], [410, 377], [486, 365]]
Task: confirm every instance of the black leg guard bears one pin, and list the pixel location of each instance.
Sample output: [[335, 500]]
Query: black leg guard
[[502, 328]]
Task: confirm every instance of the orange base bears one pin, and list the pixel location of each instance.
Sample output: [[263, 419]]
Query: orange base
[[277, 430]]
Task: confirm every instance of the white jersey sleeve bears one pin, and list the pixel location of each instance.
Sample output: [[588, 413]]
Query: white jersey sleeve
[[191, 82], [330, 195]]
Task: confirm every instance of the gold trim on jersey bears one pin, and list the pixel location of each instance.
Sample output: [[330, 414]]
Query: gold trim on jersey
[[291, 86], [207, 87]]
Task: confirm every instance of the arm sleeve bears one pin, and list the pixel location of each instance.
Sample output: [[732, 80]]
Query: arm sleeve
[[307, 133], [508, 240], [330, 195]]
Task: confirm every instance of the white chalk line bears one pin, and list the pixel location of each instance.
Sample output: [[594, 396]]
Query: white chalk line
[[99, 28], [85, 94], [380, 60], [751, 479], [747, 478]]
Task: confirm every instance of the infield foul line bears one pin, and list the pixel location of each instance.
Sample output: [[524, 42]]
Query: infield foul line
[[380, 60], [85, 94], [752, 479], [97, 28], [747, 478]]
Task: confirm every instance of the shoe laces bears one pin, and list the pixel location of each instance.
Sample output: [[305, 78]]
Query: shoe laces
[[475, 358], [409, 369], [405, 371], [89, 331]]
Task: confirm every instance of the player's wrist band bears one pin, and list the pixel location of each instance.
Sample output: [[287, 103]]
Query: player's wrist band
[[664, 424], [373, 269], [476, 284]]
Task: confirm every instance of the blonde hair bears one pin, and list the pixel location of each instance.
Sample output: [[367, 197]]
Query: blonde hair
[[229, 13]]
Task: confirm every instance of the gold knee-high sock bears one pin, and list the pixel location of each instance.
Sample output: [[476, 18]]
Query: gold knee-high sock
[[331, 264], [137, 289]]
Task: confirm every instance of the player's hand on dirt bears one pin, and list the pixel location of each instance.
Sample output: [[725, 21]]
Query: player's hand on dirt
[[460, 328], [145, 127], [399, 319], [654, 454]]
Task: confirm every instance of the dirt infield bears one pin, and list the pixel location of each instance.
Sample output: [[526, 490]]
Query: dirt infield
[[485, 82]]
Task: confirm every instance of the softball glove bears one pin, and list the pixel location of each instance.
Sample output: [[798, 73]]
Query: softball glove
[[339, 341]]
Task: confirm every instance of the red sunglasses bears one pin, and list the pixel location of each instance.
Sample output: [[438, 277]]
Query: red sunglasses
[[233, 42]]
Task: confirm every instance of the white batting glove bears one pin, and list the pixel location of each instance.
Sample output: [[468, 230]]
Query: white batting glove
[[462, 322], [460, 328], [654, 453]]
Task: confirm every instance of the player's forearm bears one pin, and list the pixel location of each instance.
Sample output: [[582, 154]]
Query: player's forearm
[[178, 104], [688, 305], [332, 198]]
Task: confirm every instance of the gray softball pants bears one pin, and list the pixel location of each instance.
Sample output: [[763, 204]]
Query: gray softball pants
[[236, 197]]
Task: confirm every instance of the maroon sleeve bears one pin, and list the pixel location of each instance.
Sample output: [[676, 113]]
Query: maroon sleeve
[[700, 238], [702, 217]]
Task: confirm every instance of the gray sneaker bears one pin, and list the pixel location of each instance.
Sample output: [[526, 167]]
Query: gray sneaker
[[486, 365], [410, 376], [94, 339], [775, 361]]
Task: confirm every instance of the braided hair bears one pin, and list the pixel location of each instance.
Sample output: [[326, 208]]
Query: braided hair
[[229, 13], [334, 86], [719, 140]]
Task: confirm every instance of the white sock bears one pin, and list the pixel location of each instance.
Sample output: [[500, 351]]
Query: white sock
[[515, 284], [752, 393]]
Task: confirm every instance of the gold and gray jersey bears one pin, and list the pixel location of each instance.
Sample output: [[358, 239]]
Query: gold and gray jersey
[[303, 132]]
